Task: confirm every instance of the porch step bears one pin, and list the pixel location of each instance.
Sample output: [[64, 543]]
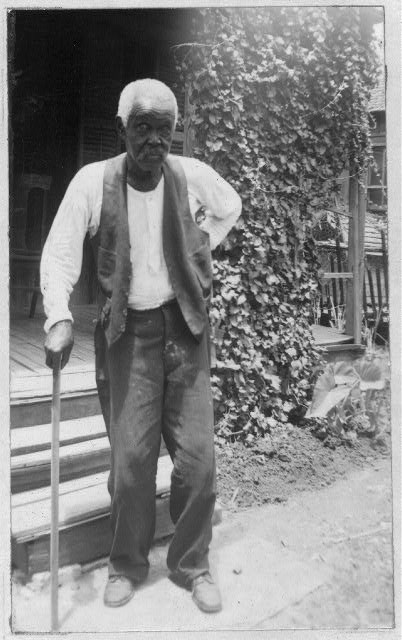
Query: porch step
[[84, 450], [26, 440], [336, 353], [73, 379], [31, 395], [32, 470], [31, 411], [84, 529]]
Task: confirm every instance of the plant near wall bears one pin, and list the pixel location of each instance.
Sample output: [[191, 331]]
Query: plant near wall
[[278, 106], [351, 397]]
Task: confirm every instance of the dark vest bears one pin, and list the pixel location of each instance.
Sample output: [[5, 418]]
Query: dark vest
[[186, 249]]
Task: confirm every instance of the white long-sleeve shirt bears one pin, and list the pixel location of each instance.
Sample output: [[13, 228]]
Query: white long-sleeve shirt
[[79, 213]]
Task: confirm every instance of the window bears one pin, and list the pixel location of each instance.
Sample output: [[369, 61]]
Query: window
[[377, 181]]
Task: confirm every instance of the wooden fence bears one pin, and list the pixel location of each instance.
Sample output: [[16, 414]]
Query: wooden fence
[[375, 288]]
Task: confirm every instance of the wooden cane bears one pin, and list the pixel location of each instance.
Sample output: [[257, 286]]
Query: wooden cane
[[55, 474]]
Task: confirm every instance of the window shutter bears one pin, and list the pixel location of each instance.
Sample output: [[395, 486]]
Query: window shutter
[[102, 86], [170, 76]]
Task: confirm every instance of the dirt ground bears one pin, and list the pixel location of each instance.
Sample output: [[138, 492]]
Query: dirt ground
[[286, 462], [295, 463]]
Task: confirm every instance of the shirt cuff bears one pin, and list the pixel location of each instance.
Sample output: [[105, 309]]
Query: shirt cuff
[[219, 229], [57, 316]]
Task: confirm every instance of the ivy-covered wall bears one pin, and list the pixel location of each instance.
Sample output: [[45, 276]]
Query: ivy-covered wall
[[278, 103]]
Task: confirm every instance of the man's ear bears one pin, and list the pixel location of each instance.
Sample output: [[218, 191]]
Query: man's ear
[[121, 129]]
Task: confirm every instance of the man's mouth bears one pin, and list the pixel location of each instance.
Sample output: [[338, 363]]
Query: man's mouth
[[155, 153]]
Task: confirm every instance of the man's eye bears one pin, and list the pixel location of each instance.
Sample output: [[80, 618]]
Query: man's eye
[[165, 131], [143, 128]]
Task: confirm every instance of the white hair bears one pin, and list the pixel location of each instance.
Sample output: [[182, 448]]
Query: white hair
[[139, 89]]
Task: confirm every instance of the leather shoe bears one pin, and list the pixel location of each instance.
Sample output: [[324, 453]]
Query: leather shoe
[[118, 591], [206, 594]]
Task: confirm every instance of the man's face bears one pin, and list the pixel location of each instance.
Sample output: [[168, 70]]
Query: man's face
[[149, 133]]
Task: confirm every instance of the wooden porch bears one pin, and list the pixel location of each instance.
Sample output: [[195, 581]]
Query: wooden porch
[[29, 374], [30, 378]]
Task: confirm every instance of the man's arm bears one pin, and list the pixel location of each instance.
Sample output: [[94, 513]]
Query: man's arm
[[61, 266], [222, 203]]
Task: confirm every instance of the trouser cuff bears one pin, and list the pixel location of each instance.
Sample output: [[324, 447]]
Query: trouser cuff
[[136, 573]]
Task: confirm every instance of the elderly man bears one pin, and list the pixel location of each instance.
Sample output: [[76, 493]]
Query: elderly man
[[153, 219]]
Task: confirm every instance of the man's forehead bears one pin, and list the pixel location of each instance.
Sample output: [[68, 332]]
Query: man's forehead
[[153, 105]]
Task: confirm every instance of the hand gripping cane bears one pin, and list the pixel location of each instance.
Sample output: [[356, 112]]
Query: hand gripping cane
[[55, 474]]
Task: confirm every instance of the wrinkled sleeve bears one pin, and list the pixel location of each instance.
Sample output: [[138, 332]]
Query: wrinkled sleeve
[[222, 203], [61, 259]]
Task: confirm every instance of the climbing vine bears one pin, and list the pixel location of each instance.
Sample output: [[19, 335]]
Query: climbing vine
[[278, 105]]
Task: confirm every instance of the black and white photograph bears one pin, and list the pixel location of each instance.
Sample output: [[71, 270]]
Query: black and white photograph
[[201, 389]]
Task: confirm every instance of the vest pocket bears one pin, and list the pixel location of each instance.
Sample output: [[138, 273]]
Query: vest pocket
[[201, 262], [105, 314], [106, 269]]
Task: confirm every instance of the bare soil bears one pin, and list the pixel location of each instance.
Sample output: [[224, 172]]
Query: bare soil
[[291, 465], [288, 461]]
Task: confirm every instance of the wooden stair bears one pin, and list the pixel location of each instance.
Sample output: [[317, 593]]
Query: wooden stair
[[84, 502], [84, 527]]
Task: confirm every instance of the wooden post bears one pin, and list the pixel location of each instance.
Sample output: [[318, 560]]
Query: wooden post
[[385, 266], [357, 207], [334, 284], [361, 223], [349, 310], [339, 263], [372, 294]]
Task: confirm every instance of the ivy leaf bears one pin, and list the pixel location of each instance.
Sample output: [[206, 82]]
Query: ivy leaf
[[216, 146]]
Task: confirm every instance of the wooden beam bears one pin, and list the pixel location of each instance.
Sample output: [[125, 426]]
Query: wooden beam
[[385, 266], [357, 205], [357, 317], [352, 252], [343, 275], [339, 264], [357, 260], [362, 208], [379, 290]]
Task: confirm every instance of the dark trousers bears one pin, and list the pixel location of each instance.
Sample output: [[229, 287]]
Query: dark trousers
[[160, 385]]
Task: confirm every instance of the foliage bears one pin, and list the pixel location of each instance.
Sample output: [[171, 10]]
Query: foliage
[[350, 396], [278, 106]]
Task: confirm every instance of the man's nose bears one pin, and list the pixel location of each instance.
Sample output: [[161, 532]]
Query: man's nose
[[154, 137]]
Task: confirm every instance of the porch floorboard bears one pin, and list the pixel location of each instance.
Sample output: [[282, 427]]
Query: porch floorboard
[[30, 376], [29, 373], [328, 336]]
